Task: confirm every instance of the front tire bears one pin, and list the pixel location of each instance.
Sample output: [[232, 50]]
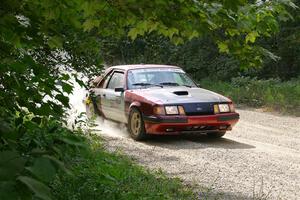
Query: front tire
[[136, 125], [216, 134]]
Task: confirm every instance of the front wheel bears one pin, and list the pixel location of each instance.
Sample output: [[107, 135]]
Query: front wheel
[[136, 125], [216, 134]]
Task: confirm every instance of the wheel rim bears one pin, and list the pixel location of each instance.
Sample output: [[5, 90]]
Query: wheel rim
[[135, 124]]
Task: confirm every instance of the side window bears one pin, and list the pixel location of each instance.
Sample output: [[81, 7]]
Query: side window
[[95, 82], [104, 81], [116, 81]]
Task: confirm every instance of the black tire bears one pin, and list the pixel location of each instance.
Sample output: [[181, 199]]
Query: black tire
[[136, 126], [216, 134]]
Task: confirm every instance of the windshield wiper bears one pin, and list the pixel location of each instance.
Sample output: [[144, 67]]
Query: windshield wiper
[[174, 84], [146, 84], [169, 83], [187, 85]]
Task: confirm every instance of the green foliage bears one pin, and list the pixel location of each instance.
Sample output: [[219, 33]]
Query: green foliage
[[33, 151], [286, 45], [103, 175], [199, 57], [203, 57], [45, 43], [39, 189], [272, 94]]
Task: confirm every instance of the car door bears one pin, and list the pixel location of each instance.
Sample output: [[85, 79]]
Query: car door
[[112, 101], [98, 92]]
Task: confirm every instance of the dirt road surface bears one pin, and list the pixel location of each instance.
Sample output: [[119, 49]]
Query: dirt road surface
[[259, 159]]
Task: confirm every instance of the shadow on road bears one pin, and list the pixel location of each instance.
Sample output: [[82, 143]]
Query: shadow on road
[[195, 142]]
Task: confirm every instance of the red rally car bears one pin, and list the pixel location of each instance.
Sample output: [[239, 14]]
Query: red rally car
[[160, 99]]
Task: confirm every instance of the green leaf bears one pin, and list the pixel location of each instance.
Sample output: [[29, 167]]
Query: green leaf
[[60, 165], [177, 40], [10, 165], [45, 109], [251, 37], [7, 190], [52, 13], [172, 31], [55, 42], [89, 24], [223, 47], [39, 189], [73, 140], [43, 169], [232, 32], [65, 77], [63, 99], [67, 87], [152, 26], [80, 82], [90, 8], [194, 34], [133, 33]]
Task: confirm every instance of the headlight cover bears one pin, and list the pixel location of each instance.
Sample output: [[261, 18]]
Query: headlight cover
[[222, 108], [171, 110]]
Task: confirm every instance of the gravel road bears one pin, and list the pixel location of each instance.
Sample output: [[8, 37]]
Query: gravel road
[[259, 159]]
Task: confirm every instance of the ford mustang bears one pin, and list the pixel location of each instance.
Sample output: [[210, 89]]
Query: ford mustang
[[159, 99]]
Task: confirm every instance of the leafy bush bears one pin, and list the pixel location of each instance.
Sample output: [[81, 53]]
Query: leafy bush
[[32, 150], [272, 93]]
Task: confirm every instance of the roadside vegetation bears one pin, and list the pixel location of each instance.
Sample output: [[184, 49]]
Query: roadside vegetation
[[270, 94], [46, 44], [98, 174], [51, 161]]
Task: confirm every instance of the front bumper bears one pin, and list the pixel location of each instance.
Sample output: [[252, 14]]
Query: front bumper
[[190, 124]]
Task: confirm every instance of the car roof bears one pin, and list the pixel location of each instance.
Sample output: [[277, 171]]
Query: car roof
[[141, 66]]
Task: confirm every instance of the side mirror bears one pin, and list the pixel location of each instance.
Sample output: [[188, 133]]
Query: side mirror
[[119, 89], [198, 85]]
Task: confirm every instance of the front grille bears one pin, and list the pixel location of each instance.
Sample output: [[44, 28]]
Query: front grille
[[193, 109], [201, 128], [198, 113]]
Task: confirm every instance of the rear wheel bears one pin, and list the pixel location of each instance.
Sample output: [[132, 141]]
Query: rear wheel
[[136, 125], [216, 134]]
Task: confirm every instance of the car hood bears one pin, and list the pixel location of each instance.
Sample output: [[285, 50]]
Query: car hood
[[179, 95]]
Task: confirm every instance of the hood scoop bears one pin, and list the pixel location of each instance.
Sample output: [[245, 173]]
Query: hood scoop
[[181, 93]]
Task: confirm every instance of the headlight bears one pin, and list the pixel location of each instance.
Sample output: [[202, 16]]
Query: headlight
[[159, 110], [221, 108], [171, 110]]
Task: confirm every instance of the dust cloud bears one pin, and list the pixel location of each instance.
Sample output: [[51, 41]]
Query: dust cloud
[[79, 111], [110, 128]]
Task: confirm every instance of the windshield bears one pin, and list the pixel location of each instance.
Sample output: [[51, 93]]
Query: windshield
[[160, 77]]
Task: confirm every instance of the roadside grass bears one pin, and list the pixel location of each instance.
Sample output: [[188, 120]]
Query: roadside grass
[[271, 94], [100, 174]]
